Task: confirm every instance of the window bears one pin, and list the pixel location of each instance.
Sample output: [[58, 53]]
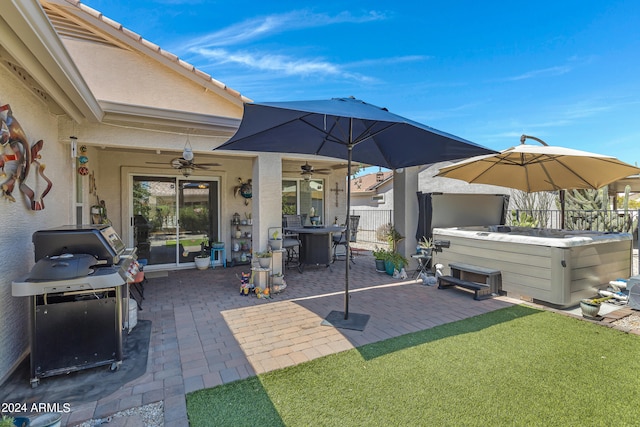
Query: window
[[299, 196]]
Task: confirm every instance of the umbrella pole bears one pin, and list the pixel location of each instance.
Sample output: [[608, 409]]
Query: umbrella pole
[[562, 209], [348, 224]]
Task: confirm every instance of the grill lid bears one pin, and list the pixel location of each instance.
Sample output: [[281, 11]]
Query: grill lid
[[62, 267]]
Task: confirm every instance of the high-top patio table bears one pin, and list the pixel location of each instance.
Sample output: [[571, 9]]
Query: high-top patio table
[[316, 243]]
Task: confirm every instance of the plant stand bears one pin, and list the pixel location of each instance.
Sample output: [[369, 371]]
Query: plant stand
[[222, 256], [277, 278]]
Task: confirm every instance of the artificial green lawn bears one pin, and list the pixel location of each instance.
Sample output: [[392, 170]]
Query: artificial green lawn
[[517, 366]]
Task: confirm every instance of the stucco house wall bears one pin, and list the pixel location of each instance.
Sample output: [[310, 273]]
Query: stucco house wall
[[115, 74], [366, 201], [18, 221]]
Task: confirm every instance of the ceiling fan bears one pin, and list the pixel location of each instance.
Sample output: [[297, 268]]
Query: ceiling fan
[[308, 170], [185, 166]]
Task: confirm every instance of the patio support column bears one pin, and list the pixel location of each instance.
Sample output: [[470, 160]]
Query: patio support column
[[405, 207], [266, 198]]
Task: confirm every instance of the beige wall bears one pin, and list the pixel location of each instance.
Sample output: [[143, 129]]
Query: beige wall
[[128, 77], [18, 222]]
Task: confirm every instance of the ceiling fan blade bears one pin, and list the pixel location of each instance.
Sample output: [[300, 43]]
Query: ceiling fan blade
[[199, 166], [209, 164], [157, 163], [179, 162]]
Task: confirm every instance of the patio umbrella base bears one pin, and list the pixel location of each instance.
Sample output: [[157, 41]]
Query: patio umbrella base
[[356, 321]]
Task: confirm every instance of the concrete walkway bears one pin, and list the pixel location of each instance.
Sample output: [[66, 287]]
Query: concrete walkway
[[205, 334]]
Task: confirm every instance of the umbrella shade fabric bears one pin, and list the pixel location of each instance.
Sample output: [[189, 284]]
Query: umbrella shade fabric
[[534, 168], [327, 127], [346, 128]]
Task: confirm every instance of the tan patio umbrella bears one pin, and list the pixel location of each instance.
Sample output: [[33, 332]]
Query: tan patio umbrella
[[543, 167]]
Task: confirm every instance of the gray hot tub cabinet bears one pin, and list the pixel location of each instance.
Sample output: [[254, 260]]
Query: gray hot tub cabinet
[[559, 267]]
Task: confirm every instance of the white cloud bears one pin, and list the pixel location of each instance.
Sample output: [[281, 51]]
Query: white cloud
[[217, 49], [281, 63], [388, 61], [551, 71], [265, 26]]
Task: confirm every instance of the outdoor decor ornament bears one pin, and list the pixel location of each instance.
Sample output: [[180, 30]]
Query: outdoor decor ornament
[[244, 188], [17, 159]]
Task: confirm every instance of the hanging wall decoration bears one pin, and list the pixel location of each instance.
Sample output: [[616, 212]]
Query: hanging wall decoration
[[16, 159], [245, 190], [82, 161], [37, 203]]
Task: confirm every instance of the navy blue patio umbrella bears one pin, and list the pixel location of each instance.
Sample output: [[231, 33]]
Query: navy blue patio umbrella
[[349, 129]]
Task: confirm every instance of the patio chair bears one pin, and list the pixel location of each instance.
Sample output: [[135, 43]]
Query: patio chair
[[341, 240], [291, 240]]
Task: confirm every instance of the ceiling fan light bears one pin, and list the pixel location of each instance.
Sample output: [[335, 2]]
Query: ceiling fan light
[[187, 154], [187, 171]]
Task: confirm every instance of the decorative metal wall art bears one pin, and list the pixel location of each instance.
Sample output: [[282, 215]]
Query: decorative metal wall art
[[16, 161], [245, 190]]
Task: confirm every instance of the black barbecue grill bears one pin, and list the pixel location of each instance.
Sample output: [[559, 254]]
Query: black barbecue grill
[[76, 293]]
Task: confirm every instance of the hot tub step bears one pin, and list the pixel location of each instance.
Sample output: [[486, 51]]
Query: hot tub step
[[481, 290]]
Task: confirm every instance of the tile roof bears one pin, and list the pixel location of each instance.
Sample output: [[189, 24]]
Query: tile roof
[[369, 182]]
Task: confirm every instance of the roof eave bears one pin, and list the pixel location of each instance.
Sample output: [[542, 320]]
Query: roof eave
[[132, 40], [160, 116], [31, 40]]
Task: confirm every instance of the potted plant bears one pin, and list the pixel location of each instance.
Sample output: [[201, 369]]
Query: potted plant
[[426, 246], [394, 261], [380, 256], [591, 306], [264, 258], [274, 240], [6, 421], [277, 278], [390, 234], [278, 283], [203, 259]]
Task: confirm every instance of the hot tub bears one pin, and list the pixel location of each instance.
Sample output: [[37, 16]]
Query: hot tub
[[559, 267]]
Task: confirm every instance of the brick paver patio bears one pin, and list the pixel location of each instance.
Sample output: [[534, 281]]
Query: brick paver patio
[[205, 334]]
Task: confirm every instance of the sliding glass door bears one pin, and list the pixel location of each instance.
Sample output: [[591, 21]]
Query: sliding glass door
[[303, 197], [173, 218]]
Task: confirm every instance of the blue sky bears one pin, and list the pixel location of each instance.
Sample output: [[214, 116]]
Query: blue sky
[[566, 71]]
